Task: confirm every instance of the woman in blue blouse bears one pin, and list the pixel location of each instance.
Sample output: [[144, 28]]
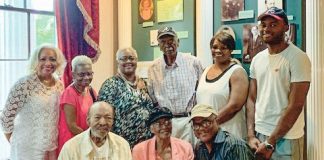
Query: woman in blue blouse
[[127, 93]]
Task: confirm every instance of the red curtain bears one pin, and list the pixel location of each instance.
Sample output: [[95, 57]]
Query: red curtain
[[78, 31]]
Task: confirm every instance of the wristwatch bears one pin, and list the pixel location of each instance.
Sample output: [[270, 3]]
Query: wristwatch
[[268, 146]]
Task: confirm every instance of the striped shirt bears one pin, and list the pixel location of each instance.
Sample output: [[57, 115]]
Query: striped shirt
[[174, 86], [225, 147]]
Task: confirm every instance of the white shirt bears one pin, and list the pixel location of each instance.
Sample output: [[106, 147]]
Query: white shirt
[[274, 74], [80, 148], [217, 94]]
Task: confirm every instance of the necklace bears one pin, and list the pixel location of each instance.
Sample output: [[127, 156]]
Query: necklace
[[79, 91], [132, 84], [47, 82]]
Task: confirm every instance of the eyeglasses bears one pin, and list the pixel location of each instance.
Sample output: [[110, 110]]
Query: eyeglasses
[[161, 123], [206, 123], [126, 58], [84, 74]]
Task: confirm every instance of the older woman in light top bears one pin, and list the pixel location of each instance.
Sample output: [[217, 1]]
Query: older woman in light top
[[30, 116], [76, 100], [127, 93], [224, 85]]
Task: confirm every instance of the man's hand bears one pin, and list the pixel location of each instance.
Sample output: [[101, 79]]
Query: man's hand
[[263, 152], [253, 143]]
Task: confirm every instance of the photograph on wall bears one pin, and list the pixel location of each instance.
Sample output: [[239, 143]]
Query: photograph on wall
[[145, 11], [264, 5], [231, 8], [169, 10], [253, 43]]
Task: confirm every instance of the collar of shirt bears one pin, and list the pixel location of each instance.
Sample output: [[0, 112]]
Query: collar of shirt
[[88, 149], [178, 62], [220, 136]]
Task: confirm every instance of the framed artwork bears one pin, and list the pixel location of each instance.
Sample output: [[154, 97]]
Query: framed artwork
[[145, 11], [231, 8], [263, 5], [253, 43]]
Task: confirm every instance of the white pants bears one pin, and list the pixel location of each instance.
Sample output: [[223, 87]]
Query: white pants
[[181, 128]]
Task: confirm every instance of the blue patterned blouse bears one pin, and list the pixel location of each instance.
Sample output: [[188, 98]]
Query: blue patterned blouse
[[132, 108]]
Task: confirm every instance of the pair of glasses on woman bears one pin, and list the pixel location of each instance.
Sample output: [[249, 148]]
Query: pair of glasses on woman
[[128, 58], [84, 74], [161, 123]]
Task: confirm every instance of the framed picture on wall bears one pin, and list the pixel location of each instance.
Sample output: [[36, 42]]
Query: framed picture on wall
[[263, 5], [231, 8], [253, 43], [145, 11]]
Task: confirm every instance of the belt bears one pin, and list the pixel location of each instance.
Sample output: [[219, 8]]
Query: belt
[[179, 115]]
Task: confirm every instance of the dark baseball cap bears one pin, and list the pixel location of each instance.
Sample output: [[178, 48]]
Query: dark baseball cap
[[276, 13], [158, 113], [166, 31]]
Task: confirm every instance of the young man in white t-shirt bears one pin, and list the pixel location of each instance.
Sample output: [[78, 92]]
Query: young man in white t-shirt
[[280, 79]]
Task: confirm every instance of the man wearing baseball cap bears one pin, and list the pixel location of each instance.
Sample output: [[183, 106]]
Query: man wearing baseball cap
[[280, 78], [215, 143], [162, 145], [172, 81]]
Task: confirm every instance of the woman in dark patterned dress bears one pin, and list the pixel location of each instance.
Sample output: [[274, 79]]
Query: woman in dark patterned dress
[[127, 93]]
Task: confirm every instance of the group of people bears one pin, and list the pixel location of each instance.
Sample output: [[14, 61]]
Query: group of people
[[181, 111]]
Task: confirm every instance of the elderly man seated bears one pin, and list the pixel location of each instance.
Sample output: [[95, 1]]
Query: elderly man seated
[[216, 144], [97, 142], [162, 145]]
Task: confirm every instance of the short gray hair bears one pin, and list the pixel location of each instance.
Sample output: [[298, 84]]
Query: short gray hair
[[123, 50], [60, 59], [80, 60]]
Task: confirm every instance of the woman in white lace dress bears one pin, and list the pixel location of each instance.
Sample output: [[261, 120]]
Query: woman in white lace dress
[[29, 119]]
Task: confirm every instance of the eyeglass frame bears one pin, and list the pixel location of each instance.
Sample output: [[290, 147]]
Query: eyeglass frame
[[84, 74], [128, 58], [206, 123], [157, 123]]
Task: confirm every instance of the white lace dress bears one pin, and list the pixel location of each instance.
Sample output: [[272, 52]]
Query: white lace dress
[[31, 114]]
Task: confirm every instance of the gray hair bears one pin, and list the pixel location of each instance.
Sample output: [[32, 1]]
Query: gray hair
[[123, 50], [60, 59], [80, 60]]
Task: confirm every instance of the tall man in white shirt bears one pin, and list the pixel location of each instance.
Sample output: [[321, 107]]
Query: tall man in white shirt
[[97, 142], [280, 79], [172, 81]]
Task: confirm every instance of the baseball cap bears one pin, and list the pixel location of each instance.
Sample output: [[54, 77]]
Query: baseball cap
[[276, 13], [202, 110], [166, 31], [158, 113]]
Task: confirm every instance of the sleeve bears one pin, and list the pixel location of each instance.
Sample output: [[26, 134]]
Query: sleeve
[[136, 153], [199, 68], [300, 68], [128, 153], [239, 150], [150, 88], [252, 70], [108, 91], [191, 153], [64, 155], [16, 100], [68, 97]]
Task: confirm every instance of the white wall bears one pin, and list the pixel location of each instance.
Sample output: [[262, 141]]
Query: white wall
[[104, 67]]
